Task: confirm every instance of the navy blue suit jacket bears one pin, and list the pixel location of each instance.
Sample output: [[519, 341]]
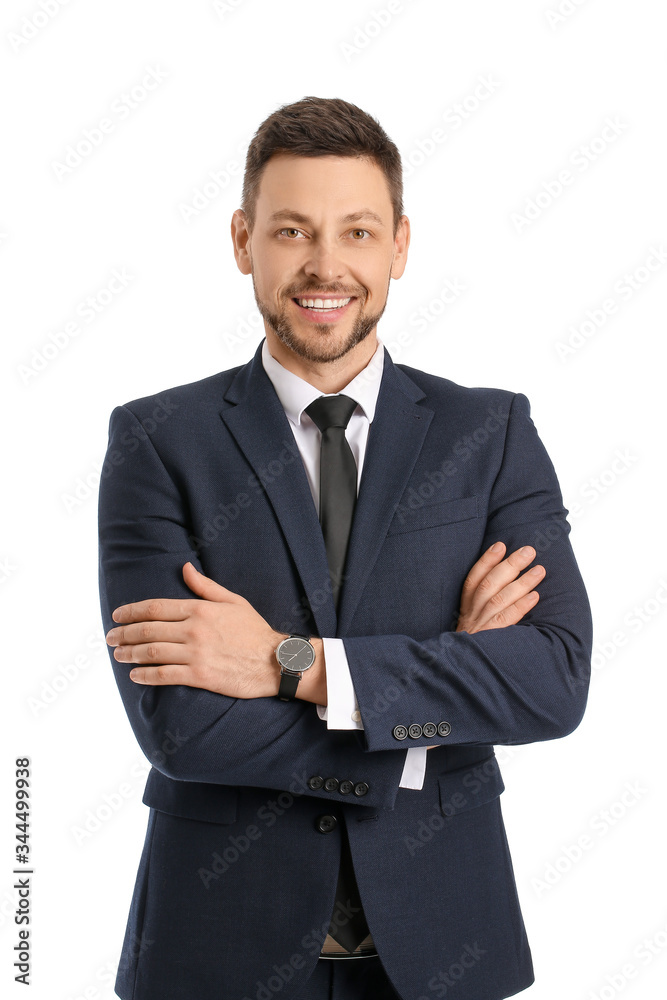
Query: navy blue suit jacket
[[236, 882]]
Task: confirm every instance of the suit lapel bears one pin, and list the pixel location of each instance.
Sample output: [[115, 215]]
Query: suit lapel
[[395, 440], [258, 423], [263, 433]]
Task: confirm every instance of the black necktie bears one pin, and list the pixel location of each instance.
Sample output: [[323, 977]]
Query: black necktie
[[338, 481], [338, 495]]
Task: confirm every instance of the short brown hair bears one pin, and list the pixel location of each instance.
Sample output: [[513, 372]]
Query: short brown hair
[[321, 126]]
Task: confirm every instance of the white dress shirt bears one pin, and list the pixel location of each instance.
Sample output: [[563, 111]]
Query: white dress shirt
[[295, 394]]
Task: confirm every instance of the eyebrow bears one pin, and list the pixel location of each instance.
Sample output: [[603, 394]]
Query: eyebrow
[[292, 215]]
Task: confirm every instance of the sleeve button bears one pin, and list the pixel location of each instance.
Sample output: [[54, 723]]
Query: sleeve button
[[444, 729], [331, 784], [400, 732], [360, 788], [315, 782], [415, 731]]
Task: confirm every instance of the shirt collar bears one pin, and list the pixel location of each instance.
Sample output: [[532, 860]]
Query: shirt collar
[[296, 394]]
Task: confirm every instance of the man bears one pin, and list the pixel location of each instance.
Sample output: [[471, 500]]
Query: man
[[314, 572]]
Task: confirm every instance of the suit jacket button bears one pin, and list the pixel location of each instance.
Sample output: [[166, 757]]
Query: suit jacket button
[[415, 731], [360, 788], [325, 824], [429, 729], [400, 732], [315, 782], [331, 784], [345, 787], [444, 729]]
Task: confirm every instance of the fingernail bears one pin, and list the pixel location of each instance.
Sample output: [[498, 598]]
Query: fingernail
[[495, 547], [535, 571]]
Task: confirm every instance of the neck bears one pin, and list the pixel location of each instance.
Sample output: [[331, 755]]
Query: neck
[[327, 376]]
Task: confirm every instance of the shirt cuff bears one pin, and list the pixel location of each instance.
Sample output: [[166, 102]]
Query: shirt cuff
[[414, 769], [342, 710]]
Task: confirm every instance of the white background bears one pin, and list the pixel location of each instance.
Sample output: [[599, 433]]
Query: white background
[[553, 82]]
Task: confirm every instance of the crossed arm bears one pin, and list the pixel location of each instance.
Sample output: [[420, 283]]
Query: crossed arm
[[217, 641]]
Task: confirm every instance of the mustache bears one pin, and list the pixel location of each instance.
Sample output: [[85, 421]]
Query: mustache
[[337, 290]]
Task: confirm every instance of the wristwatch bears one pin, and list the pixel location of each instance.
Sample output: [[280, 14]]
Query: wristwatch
[[295, 654]]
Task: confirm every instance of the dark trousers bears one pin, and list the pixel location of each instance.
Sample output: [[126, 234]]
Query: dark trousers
[[353, 979]]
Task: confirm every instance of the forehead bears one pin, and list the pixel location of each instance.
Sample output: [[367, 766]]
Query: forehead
[[314, 185]]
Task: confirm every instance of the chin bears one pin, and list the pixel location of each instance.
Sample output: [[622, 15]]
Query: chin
[[325, 344]]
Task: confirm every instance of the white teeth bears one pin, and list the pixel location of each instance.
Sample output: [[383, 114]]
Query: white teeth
[[323, 303]]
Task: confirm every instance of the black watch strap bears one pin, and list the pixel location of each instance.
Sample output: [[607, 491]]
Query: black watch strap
[[288, 685], [290, 682]]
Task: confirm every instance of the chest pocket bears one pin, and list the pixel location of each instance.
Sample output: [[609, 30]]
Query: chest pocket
[[431, 515]]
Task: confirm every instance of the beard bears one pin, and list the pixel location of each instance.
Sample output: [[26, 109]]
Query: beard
[[325, 344]]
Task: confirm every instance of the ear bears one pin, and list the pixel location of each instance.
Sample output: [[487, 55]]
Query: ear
[[401, 244], [241, 241]]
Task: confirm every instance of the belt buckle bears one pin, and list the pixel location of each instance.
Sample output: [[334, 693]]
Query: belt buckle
[[366, 949]]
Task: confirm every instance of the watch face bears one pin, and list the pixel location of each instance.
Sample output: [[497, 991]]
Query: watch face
[[295, 654]]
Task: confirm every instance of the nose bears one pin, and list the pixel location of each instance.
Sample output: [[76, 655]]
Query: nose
[[324, 263]]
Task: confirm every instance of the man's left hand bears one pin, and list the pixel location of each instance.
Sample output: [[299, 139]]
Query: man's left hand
[[219, 643]]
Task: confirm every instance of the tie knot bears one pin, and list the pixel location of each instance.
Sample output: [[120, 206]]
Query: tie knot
[[331, 411]]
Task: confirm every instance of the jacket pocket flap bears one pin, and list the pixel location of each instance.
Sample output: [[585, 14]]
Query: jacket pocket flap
[[191, 799], [469, 787], [409, 518]]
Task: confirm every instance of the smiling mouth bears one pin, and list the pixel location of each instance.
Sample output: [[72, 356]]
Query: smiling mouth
[[323, 305]]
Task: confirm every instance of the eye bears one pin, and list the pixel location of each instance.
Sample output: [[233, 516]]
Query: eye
[[291, 233], [359, 234]]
